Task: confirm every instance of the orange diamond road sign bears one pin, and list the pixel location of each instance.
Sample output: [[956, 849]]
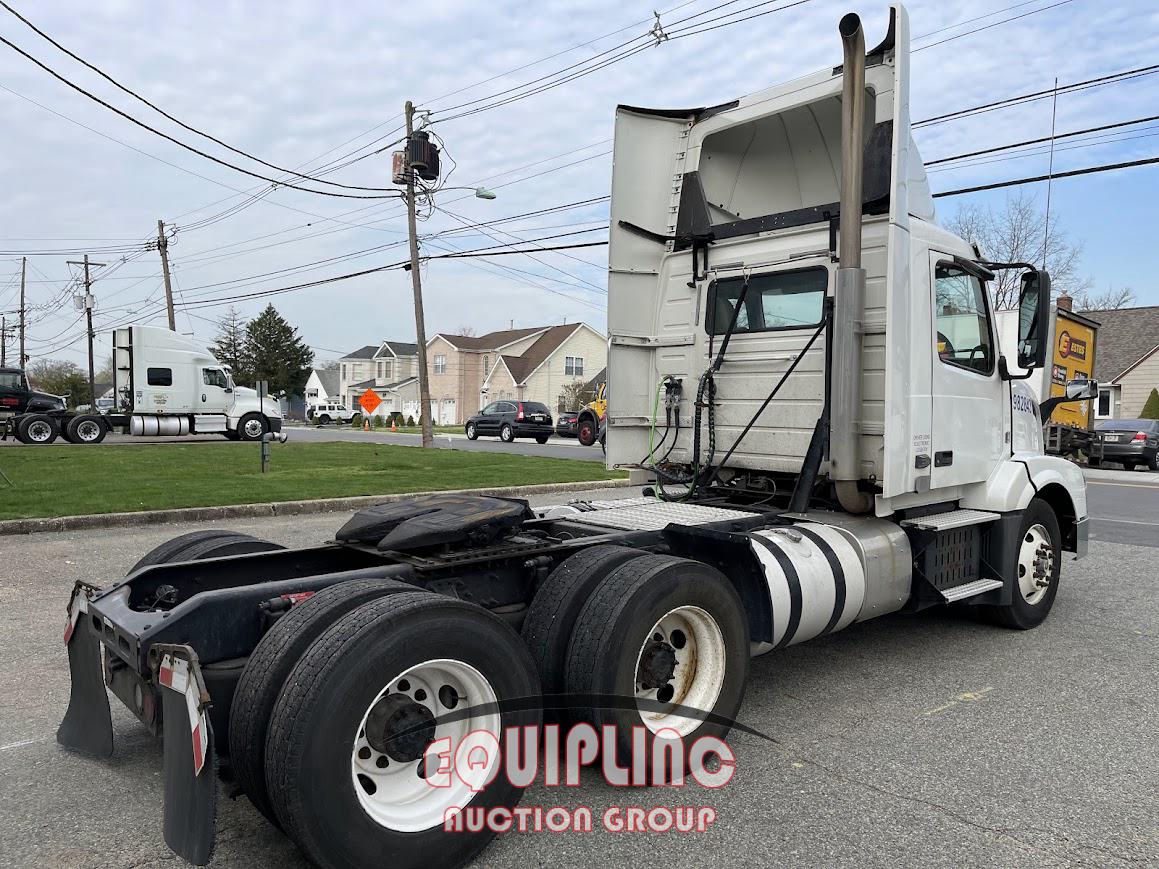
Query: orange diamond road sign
[[370, 401]]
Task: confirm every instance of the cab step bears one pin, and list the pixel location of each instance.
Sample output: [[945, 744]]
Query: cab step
[[951, 519], [969, 589]]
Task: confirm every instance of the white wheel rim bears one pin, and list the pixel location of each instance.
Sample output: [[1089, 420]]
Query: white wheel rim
[[402, 800], [88, 431], [470, 430], [698, 675], [1035, 564], [39, 431], [253, 428]]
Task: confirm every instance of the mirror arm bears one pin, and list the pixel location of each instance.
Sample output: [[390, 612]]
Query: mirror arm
[[1004, 371]]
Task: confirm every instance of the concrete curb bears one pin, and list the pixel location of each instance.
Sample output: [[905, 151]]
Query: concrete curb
[[277, 508]]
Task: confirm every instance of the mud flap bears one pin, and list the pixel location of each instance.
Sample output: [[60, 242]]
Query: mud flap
[[190, 757], [87, 726]]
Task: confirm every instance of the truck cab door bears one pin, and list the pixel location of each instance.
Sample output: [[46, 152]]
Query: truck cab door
[[968, 431], [13, 392], [216, 395]]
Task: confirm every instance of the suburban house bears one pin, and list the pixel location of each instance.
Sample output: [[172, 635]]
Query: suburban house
[[322, 386], [533, 364], [390, 369], [1126, 360]]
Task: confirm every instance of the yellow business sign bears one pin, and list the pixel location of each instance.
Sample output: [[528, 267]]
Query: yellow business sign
[[1074, 345]]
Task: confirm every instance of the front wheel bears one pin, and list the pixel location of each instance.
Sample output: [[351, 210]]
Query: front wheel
[[586, 434], [252, 426], [1129, 466], [472, 432], [356, 755], [542, 439], [1036, 571], [507, 434]]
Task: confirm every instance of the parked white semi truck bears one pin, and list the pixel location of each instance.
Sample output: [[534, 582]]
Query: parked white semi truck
[[841, 438], [163, 384]]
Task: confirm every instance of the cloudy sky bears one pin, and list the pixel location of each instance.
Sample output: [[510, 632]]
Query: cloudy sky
[[302, 84]]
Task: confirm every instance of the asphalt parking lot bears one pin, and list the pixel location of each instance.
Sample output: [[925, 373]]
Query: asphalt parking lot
[[926, 740]]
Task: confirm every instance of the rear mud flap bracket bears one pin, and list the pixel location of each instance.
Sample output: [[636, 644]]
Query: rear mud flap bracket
[[87, 726], [189, 754]]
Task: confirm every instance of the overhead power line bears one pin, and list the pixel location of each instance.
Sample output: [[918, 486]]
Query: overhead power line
[[1040, 95], [1041, 140], [177, 121], [1068, 174], [178, 142]]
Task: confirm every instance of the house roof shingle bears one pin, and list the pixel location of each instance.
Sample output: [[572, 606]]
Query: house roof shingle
[[366, 352], [492, 340], [1125, 336], [329, 380], [402, 348]]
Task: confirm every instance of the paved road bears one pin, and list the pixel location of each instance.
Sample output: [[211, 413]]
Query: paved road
[[924, 740], [557, 447], [1124, 506]]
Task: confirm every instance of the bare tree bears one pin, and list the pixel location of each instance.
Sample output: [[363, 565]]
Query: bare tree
[[574, 396], [1108, 300], [466, 331], [1017, 233]]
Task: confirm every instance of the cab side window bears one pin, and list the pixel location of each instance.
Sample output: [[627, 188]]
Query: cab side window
[[962, 320], [214, 377]]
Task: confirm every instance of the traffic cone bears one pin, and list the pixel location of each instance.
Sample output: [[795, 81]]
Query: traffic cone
[[393, 427], [366, 423]]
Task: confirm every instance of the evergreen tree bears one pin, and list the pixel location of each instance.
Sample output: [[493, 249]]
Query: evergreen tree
[[275, 353], [230, 348], [1151, 408]]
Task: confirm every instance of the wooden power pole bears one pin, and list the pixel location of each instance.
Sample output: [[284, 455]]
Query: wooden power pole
[[3, 341], [163, 247], [417, 286], [88, 306]]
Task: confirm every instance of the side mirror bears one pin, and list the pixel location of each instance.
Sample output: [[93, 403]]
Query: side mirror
[[1081, 390], [1033, 319]]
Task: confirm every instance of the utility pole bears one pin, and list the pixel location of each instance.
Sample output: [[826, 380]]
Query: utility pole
[[3, 341], [163, 247], [88, 305], [23, 270], [416, 284]]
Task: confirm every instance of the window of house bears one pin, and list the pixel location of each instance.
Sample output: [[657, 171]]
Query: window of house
[[486, 364], [1104, 408], [380, 370], [159, 376], [440, 364], [214, 377], [573, 366], [780, 300], [962, 320], [343, 370]]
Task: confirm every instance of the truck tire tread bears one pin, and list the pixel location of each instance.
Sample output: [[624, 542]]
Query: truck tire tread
[[550, 620], [270, 665], [291, 735]]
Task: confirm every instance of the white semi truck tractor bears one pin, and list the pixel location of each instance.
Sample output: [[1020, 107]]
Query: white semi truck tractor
[[163, 384], [808, 385]]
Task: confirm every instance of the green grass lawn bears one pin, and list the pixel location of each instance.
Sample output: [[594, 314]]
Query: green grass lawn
[[65, 481]]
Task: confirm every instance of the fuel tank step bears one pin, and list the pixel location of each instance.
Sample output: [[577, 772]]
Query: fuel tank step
[[951, 519], [969, 589]]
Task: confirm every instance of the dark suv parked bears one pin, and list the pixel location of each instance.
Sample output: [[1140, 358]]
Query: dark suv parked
[[1131, 442], [512, 419]]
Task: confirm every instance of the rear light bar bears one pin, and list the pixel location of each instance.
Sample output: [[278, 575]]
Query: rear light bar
[[1140, 436], [520, 414]]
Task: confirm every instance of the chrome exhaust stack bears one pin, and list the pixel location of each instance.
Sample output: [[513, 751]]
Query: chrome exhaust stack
[[849, 299]]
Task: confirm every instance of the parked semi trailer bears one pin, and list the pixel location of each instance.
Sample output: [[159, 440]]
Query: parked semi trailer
[[1072, 341], [163, 384], [824, 462]]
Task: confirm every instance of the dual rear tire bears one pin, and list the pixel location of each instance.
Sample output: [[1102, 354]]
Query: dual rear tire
[[334, 713]]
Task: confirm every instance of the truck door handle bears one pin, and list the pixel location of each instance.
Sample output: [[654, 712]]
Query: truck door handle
[[943, 459], [203, 398]]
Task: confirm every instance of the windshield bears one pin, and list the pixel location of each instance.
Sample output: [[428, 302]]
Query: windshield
[[11, 380]]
